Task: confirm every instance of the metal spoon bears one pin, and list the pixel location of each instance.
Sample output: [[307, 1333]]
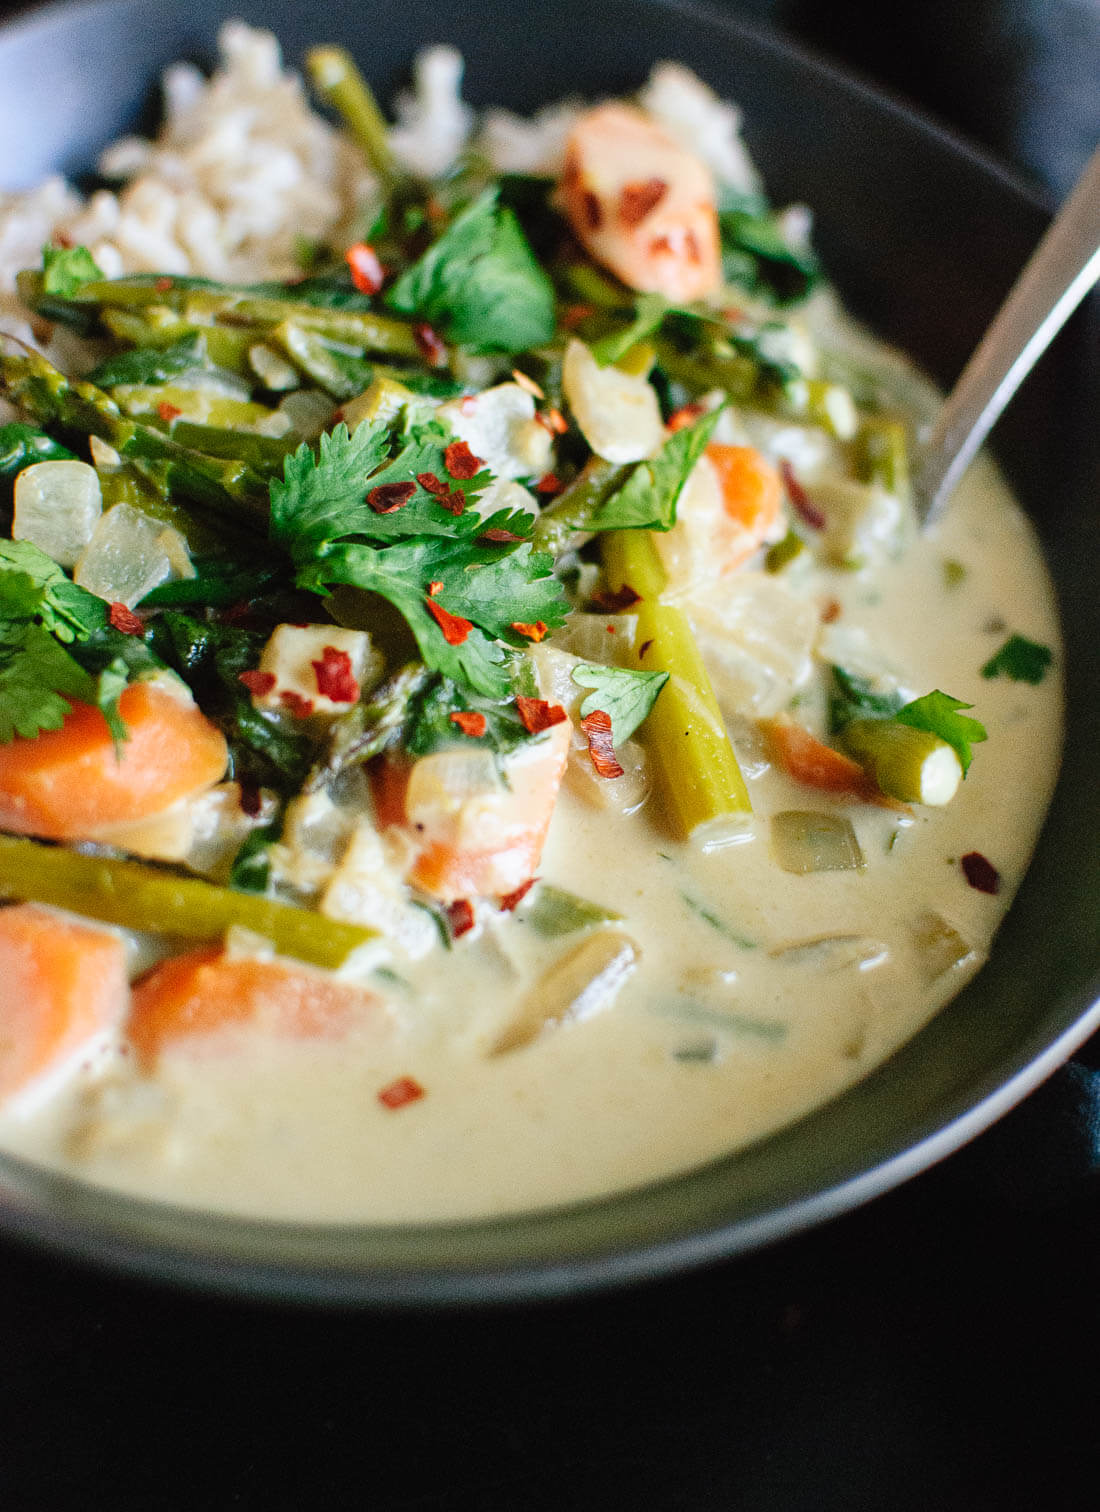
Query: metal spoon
[[1060, 272]]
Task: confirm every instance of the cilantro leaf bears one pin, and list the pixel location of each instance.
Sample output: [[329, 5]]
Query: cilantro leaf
[[38, 680], [65, 270], [854, 697], [1021, 659], [22, 444], [431, 728], [67, 611], [149, 365], [648, 498], [756, 255], [625, 696], [649, 312], [939, 714], [480, 283]]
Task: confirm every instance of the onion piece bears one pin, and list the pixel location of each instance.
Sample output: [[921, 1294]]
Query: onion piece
[[126, 557], [57, 508], [938, 944], [582, 984], [805, 841]]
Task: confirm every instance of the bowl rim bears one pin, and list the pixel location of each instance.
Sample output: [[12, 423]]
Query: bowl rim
[[214, 1252]]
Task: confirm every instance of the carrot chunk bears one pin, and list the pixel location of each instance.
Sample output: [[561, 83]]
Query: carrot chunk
[[61, 983], [189, 997], [809, 761], [69, 783], [752, 497]]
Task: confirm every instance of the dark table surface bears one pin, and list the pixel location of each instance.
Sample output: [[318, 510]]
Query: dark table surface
[[936, 1350]]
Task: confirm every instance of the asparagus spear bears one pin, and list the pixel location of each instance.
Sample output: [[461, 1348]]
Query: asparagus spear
[[912, 765], [684, 732], [228, 484], [140, 897], [337, 79], [562, 525], [882, 454]]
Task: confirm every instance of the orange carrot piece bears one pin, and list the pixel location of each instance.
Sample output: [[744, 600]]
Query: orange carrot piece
[[752, 494], [61, 983], [809, 761], [66, 784], [192, 996]]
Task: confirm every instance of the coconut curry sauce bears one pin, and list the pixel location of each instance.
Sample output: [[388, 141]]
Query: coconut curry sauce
[[480, 729]]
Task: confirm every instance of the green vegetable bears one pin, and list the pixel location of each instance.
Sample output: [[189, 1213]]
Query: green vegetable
[[251, 870], [939, 714], [67, 269], [38, 681], [1021, 659], [143, 898], [716, 922], [625, 696], [757, 256], [337, 79], [882, 454], [480, 283], [430, 727], [784, 552], [149, 365], [371, 727], [910, 764], [22, 445], [554, 912], [852, 697], [649, 312]]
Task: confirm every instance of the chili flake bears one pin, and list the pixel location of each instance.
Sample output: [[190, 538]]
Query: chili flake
[[573, 314], [637, 200], [686, 415], [401, 1092], [431, 344], [454, 500], [513, 899], [470, 722], [388, 497], [460, 917], [830, 611], [251, 800], [801, 502], [335, 678], [593, 210], [125, 619], [611, 601], [535, 632], [597, 727], [499, 537], [535, 714], [455, 629], [549, 484], [367, 273], [258, 683], [434, 587], [460, 461], [431, 484], [552, 420], [981, 873], [162, 285], [168, 412]]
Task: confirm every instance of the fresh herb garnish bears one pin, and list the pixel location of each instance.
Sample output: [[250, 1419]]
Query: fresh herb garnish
[[649, 312], [717, 923], [480, 283], [625, 696], [853, 697], [757, 256], [648, 498], [1021, 659], [939, 714], [65, 270]]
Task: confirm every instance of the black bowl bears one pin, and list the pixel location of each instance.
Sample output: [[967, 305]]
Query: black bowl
[[923, 236]]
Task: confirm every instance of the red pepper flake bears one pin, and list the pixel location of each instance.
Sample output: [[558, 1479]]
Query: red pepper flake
[[259, 684], [830, 611], [610, 629], [237, 614], [469, 722], [430, 344], [535, 632], [125, 619], [367, 273], [687, 415], [597, 727], [168, 412], [162, 285], [62, 239], [644, 648], [980, 873], [637, 200], [549, 484], [499, 537], [592, 210], [295, 704], [335, 678], [529, 384], [573, 314], [400, 1092], [431, 484], [513, 899], [611, 602], [801, 502], [460, 917], [454, 501], [388, 497], [535, 714], [434, 587], [455, 629], [460, 461], [251, 800]]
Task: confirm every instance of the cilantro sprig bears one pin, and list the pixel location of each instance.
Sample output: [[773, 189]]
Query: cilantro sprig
[[625, 696], [1020, 659], [941, 715]]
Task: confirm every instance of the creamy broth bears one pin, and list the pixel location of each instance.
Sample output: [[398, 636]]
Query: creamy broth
[[717, 989], [715, 1041]]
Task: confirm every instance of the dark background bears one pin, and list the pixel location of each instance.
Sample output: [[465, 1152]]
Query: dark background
[[936, 1350]]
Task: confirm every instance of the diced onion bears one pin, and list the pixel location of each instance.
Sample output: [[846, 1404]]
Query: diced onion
[[813, 841], [576, 987], [57, 507], [938, 944], [125, 558], [617, 412]]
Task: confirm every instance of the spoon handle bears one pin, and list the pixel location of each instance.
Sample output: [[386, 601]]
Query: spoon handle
[[1060, 272]]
